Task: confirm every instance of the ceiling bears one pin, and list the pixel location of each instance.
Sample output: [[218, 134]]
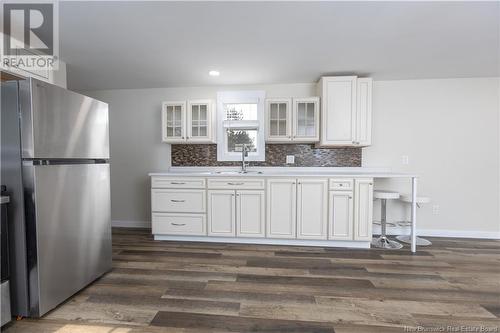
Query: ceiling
[[114, 45]]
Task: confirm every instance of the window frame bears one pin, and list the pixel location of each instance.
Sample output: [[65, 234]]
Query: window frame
[[241, 97]]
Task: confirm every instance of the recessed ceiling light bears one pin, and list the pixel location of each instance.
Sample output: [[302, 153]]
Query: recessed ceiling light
[[214, 73]]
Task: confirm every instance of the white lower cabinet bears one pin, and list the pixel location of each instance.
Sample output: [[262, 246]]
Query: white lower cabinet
[[281, 208], [179, 224], [340, 216], [250, 213], [221, 213], [363, 209], [305, 209], [236, 213], [312, 208]]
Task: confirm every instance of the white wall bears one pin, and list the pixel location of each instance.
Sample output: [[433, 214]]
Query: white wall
[[135, 140], [449, 129]]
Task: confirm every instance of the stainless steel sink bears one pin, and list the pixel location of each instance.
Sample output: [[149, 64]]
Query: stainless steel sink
[[237, 172]]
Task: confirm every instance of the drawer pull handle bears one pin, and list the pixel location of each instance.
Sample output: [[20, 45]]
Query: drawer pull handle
[[235, 183], [177, 183], [178, 224], [173, 200]]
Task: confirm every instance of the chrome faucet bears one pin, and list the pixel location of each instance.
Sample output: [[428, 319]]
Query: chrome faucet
[[244, 153]]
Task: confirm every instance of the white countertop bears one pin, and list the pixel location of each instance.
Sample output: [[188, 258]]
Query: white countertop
[[282, 172]]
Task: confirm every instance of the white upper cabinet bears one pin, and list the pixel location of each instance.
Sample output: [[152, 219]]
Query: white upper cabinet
[[294, 120], [199, 121], [189, 122], [173, 118], [47, 74], [364, 112], [306, 119], [279, 120], [345, 111]]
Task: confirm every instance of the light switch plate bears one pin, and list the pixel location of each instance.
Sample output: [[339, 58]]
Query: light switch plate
[[290, 159]]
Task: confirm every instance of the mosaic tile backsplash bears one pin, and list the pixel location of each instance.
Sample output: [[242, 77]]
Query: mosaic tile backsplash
[[306, 155]]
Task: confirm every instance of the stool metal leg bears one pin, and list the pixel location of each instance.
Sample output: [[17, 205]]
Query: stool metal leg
[[383, 241]]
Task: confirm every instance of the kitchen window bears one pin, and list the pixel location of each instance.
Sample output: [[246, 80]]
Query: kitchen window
[[240, 121]]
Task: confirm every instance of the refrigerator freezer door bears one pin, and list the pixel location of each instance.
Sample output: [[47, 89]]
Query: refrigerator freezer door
[[68, 210], [59, 123]]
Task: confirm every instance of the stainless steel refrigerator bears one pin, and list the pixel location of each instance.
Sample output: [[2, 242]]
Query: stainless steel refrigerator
[[55, 164]]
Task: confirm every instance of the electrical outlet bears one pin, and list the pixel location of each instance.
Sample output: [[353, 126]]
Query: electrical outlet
[[405, 159], [435, 209], [290, 159]]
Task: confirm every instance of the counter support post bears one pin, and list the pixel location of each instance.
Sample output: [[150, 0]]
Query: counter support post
[[414, 214]]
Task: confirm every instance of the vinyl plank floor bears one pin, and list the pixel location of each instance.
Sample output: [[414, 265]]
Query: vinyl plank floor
[[196, 287]]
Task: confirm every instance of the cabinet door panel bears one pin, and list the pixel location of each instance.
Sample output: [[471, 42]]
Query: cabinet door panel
[[305, 119], [199, 121], [363, 209], [278, 120], [312, 208], [281, 208], [250, 214], [338, 110], [174, 122], [221, 214], [340, 216], [364, 112]]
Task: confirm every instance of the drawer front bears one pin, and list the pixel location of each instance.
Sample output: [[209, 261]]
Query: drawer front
[[341, 184], [170, 182], [236, 184], [178, 201], [179, 224]]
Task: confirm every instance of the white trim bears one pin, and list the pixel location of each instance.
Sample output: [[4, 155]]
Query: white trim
[[439, 232], [130, 224], [267, 241], [245, 96]]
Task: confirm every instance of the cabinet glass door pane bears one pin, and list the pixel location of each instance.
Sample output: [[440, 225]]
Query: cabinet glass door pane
[[310, 121], [277, 119], [199, 120], [301, 119], [174, 121]]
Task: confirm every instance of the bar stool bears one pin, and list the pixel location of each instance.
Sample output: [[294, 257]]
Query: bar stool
[[383, 241], [407, 238]]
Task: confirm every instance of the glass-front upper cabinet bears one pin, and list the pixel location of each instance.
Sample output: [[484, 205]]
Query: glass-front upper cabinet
[[294, 120], [279, 119], [199, 121], [173, 121], [189, 122], [306, 119]]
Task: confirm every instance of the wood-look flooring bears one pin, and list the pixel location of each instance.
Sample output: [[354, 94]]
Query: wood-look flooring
[[160, 286]]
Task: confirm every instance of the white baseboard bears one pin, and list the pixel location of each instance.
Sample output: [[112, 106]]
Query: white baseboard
[[130, 224], [267, 241], [376, 230], [439, 232]]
